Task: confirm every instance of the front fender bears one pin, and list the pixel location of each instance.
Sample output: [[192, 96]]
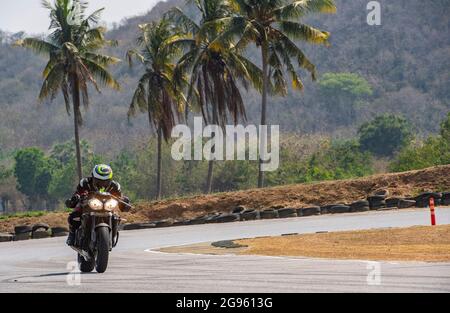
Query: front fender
[[102, 225]]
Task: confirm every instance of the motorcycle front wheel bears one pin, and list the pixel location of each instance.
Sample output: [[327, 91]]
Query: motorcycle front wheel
[[101, 261]]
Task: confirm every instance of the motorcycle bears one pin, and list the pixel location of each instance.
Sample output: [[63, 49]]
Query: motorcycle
[[99, 230]]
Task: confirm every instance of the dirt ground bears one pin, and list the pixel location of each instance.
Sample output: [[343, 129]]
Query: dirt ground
[[406, 184], [425, 244]]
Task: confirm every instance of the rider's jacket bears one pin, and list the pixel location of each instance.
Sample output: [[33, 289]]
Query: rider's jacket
[[86, 185]]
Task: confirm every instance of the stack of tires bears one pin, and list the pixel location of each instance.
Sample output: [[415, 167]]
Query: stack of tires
[[445, 200], [393, 203], [338, 209], [22, 232], [377, 202], [40, 231], [249, 215], [310, 211], [328, 209], [4, 237], [269, 214], [360, 206], [59, 231], [226, 218], [406, 203], [287, 213], [423, 200]]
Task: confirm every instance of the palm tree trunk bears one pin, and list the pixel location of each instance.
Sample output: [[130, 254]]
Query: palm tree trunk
[[209, 179], [76, 110], [159, 166], [264, 53]]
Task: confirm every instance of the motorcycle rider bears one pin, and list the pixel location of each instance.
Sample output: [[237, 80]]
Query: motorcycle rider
[[100, 181]]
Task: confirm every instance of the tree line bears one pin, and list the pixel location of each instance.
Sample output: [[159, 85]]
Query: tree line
[[39, 180], [191, 64]]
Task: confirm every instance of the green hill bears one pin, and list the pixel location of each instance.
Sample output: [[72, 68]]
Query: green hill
[[405, 60]]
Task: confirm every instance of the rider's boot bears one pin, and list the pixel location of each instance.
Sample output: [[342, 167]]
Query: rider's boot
[[71, 238]]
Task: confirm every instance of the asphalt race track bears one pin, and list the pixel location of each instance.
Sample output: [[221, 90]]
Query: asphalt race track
[[42, 265]]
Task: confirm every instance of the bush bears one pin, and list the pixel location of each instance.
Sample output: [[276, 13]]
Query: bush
[[432, 152], [385, 135], [339, 161]]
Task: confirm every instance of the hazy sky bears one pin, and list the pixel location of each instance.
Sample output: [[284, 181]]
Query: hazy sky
[[29, 16]]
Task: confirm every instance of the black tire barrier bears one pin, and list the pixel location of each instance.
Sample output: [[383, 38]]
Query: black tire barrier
[[179, 223], [392, 202], [238, 210], [39, 226], [360, 206], [249, 215], [445, 199], [59, 231], [360, 209], [212, 218], [198, 221], [376, 198], [338, 209], [6, 237], [269, 214], [39, 234], [138, 226], [22, 236], [23, 229], [227, 218], [163, 223], [388, 209], [287, 213], [406, 204], [377, 205], [315, 210], [326, 208], [376, 202], [423, 200]]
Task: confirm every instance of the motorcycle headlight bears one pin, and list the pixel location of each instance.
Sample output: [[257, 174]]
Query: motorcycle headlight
[[95, 204], [111, 205]]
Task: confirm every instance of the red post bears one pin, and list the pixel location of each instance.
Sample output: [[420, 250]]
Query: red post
[[433, 212]]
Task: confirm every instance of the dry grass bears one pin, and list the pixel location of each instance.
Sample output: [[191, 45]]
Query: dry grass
[[428, 244], [406, 184], [424, 244]]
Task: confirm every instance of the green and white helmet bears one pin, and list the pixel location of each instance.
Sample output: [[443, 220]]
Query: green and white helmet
[[102, 172]]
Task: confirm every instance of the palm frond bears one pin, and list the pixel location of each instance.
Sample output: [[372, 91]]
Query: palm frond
[[39, 46], [304, 32], [100, 73], [301, 8]]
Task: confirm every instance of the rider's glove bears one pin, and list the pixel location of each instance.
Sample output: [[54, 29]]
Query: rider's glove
[[124, 207], [72, 202]]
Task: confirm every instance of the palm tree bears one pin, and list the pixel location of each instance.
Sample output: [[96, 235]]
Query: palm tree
[[73, 58], [274, 25], [157, 93], [215, 69]]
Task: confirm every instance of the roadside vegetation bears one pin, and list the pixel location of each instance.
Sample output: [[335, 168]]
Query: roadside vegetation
[[196, 60]]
